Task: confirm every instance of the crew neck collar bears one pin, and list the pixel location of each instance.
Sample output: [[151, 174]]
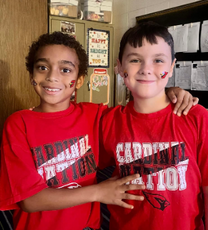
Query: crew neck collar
[[165, 111], [54, 114]]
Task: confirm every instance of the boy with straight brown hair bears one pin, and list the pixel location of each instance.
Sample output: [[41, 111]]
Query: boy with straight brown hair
[[145, 137]]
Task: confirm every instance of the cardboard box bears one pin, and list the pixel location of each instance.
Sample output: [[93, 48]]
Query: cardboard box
[[101, 17], [97, 10], [94, 9], [64, 10], [105, 8], [73, 2]]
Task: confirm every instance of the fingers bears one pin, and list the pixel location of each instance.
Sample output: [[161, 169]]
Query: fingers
[[127, 179], [172, 96], [192, 101], [128, 196], [133, 187], [184, 103], [195, 100]]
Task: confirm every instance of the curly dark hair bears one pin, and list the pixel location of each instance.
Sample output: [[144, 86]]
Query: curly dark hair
[[57, 38]]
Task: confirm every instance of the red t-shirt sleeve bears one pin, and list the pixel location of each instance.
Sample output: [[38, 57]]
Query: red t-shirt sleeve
[[19, 178], [202, 150]]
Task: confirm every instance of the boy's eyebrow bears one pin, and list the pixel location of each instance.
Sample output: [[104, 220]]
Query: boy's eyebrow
[[133, 54], [62, 61], [156, 55], [67, 62], [160, 54], [41, 59]]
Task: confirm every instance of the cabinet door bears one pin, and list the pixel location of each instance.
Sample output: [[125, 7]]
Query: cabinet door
[[99, 86]]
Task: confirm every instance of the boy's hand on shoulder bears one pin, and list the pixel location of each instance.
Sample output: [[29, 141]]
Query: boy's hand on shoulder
[[182, 99], [113, 191]]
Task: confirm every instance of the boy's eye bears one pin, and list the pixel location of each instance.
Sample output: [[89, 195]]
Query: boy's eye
[[135, 61], [65, 70], [158, 61], [42, 67]]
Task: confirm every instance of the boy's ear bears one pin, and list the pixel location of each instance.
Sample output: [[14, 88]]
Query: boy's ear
[[31, 78], [80, 82], [171, 68], [120, 70]]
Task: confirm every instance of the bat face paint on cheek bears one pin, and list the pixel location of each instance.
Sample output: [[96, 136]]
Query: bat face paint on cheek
[[72, 83], [163, 74], [125, 74]]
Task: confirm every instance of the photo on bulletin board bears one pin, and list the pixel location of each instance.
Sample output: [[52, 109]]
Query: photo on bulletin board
[[68, 27], [98, 43]]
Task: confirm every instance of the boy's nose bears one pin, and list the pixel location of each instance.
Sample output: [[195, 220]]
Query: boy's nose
[[51, 76], [145, 69]]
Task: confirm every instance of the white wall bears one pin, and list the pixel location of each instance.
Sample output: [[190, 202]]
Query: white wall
[[126, 11]]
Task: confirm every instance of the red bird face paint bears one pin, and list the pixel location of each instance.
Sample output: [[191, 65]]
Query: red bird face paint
[[34, 83], [125, 74], [163, 74], [72, 83]]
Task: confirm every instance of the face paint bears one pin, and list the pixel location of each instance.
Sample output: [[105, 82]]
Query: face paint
[[163, 74], [72, 83], [34, 83], [125, 74]]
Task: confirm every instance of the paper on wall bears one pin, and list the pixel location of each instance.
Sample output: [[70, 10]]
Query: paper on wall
[[193, 37], [204, 37], [183, 71], [199, 79], [180, 41]]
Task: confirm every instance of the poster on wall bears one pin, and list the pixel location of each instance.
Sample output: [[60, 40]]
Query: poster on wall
[[98, 48], [99, 86]]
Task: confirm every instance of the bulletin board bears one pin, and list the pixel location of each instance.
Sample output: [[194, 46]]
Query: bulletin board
[[189, 13]]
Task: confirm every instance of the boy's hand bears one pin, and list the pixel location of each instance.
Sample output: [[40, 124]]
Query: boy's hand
[[112, 191], [182, 98]]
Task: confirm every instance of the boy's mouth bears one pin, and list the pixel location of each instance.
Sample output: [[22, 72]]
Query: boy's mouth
[[52, 89], [145, 81]]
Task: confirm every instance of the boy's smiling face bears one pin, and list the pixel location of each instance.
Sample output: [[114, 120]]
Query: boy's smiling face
[[147, 68], [55, 71]]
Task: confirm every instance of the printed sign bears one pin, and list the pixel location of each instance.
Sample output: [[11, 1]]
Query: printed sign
[[98, 48]]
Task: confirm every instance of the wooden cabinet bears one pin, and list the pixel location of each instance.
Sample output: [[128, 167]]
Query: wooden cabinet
[[21, 22]]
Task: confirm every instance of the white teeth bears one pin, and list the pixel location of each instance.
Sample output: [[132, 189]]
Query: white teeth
[[52, 90]]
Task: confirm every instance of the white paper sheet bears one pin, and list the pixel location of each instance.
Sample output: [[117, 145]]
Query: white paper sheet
[[181, 38], [183, 71], [199, 80], [193, 37], [204, 37]]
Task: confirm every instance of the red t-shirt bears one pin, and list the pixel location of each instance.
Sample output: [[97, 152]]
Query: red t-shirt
[[171, 155], [57, 150]]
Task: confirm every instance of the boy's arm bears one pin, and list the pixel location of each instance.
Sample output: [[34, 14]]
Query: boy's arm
[[111, 191], [205, 193], [182, 98]]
